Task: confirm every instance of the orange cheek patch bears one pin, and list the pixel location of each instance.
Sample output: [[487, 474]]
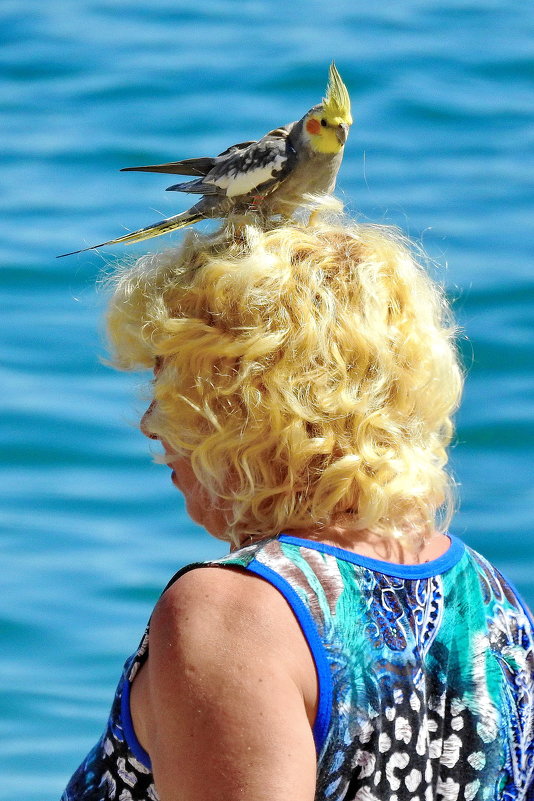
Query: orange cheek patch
[[313, 126]]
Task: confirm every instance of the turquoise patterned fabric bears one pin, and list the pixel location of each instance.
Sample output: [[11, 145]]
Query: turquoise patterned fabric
[[425, 673]]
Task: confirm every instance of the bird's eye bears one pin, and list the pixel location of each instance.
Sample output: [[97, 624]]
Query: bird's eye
[[324, 123]]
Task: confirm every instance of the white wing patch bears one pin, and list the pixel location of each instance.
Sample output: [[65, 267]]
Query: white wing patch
[[242, 182]]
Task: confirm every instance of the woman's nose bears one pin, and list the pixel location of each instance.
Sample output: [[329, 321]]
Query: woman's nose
[[145, 422]]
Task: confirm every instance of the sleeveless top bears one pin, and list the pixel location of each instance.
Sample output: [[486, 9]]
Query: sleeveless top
[[425, 676]]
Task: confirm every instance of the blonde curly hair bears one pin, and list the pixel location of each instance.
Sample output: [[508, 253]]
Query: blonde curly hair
[[308, 372]]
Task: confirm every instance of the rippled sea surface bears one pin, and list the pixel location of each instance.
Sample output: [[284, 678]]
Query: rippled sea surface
[[443, 146]]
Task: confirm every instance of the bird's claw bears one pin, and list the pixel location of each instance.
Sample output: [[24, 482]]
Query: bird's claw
[[255, 202]]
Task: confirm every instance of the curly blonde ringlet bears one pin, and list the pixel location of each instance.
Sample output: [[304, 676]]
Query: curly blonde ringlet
[[308, 372]]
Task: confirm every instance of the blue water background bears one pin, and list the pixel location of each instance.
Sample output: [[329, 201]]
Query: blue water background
[[443, 145]]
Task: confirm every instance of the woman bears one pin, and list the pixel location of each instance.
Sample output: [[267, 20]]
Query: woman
[[347, 648]]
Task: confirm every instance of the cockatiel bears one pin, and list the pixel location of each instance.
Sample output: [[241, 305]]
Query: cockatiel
[[269, 176]]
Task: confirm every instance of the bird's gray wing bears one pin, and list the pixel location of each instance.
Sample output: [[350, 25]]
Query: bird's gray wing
[[254, 169], [234, 148]]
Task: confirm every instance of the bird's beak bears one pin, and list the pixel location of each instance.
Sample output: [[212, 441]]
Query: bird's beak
[[342, 132]]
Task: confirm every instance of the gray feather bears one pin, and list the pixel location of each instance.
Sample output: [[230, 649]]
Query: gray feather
[[199, 166], [195, 188]]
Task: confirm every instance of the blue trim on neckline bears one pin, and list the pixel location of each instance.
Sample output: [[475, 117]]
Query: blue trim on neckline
[[127, 726], [449, 559], [309, 629]]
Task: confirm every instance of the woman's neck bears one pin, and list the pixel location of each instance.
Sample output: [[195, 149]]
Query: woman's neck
[[410, 550]]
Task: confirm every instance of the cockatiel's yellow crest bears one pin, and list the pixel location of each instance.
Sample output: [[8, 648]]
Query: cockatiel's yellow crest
[[336, 104]]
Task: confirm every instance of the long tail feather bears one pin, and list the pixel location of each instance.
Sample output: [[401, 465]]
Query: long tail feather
[[163, 227], [199, 166]]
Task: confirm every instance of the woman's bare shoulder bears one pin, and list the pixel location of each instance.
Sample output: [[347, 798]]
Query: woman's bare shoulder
[[224, 601], [230, 678]]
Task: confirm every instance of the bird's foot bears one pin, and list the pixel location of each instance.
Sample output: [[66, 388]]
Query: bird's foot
[[256, 202]]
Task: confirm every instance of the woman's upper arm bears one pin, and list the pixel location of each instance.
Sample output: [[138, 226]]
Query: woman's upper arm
[[232, 691]]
